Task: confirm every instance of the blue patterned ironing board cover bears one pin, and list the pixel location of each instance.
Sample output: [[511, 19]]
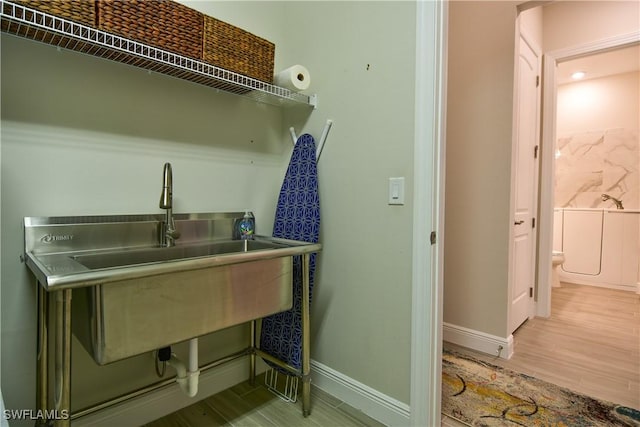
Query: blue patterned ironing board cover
[[298, 218]]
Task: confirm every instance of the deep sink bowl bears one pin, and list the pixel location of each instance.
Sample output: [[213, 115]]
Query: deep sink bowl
[[131, 296], [129, 317], [131, 257]]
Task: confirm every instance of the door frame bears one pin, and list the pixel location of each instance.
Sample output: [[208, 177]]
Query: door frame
[[550, 61], [428, 212]]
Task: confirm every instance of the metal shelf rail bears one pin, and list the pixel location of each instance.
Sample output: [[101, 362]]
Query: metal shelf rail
[[35, 25]]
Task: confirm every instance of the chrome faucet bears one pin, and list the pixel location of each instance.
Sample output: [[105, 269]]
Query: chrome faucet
[[166, 202], [618, 203]]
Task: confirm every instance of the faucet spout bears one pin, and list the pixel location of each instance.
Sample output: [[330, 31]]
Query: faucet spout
[[618, 202], [166, 202], [166, 197]]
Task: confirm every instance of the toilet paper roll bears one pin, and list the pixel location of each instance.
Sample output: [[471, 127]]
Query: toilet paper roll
[[294, 78]]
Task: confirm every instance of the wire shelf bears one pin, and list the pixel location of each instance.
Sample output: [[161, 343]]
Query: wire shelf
[[35, 25]]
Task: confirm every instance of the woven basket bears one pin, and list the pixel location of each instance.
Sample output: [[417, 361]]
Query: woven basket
[[163, 24], [81, 11], [237, 50]]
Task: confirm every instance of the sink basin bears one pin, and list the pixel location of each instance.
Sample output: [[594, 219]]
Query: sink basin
[[129, 317], [160, 254], [132, 296]]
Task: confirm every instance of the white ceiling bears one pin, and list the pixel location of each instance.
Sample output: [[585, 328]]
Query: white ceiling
[[600, 65]]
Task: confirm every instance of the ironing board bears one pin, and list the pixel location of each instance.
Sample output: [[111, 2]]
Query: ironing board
[[297, 218]]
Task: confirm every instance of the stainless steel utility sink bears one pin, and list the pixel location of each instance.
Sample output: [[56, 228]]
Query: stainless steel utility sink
[[132, 295]]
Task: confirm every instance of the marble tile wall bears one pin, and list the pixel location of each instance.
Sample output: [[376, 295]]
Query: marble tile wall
[[589, 164]]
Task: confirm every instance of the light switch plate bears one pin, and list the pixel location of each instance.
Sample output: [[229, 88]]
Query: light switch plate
[[396, 191]]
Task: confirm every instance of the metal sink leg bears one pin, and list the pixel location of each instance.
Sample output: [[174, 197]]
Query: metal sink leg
[[57, 406], [252, 356], [62, 382], [42, 371], [306, 339]]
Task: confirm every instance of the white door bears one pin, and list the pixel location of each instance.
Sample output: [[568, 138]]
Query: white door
[[526, 181]]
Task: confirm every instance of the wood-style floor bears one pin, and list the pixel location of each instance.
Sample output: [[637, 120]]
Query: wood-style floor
[[590, 344], [245, 405]]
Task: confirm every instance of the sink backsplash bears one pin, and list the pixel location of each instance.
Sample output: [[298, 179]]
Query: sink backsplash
[[77, 233]]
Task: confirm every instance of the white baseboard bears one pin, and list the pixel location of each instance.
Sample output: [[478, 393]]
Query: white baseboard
[[154, 405], [477, 340], [575, 279], [376, 405]]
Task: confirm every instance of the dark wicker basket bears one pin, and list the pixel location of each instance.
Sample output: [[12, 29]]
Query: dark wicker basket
[[163, 24], [235, 49], [81, 11]]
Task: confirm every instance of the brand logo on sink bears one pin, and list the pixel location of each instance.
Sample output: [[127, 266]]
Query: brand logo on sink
[[59, 268], [50, 238]]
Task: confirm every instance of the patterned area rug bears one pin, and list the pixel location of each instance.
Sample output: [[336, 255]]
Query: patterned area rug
[[480, 394]]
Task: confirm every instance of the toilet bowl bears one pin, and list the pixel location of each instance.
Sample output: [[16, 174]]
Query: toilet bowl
[[556, 261]]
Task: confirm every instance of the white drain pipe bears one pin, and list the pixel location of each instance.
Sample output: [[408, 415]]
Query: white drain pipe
[[187, 377]]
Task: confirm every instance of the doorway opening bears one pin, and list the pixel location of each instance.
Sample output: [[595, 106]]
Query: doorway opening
[[555, 72]]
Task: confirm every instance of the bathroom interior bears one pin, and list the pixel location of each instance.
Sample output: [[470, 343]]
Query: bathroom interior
[[597, 180]]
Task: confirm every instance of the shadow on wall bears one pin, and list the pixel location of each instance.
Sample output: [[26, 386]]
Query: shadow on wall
[[67, 89]]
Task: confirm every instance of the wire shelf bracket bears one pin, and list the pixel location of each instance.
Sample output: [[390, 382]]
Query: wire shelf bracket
[[32, 24]]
